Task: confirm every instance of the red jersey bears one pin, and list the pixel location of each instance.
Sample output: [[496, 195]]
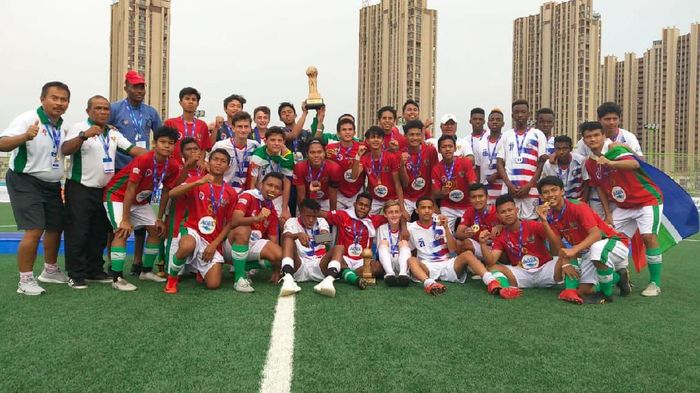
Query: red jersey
[[352, 230], [486, 219], [197, 130], [251, 203], [144, 171], [380, 171], [345, 157], [395, 134], [209, 208], [329, 175], [526, 245], [630, 189], [418, 167], [575, 219], [461, 174], [178, 207]]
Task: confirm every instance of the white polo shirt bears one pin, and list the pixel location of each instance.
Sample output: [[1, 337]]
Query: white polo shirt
[[35, 157], [462, 148], [86, 164]]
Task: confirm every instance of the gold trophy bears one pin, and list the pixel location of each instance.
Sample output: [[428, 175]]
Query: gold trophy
[[314, 101], [367, 267]]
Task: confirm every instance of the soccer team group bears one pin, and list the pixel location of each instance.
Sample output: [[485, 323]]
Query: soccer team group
[[517, 209]]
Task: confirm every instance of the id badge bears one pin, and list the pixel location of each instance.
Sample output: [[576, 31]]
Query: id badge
[[56, 164], [141, 144], [108, 164]]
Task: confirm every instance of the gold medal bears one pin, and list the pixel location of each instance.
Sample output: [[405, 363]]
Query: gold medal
[[449, 184], [475, 228]]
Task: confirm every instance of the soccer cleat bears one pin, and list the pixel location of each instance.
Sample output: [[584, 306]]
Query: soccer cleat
[[571, 296], [30, 287], [122, 285], [624, 283], [198, 277], [494, 287], [510, 293], [325, 287], [150, 276], [435, 289], [402, 280], [77, 283], [598, 298], [56, 277], [391, 280], [651, 290], [243, 286], [289, 286], [171, 285], [100, 277]]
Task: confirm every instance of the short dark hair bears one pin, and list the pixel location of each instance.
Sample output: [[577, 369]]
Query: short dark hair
[[236, 97], [520, 102], [95, 97], [386, 109], [446, 137], [274, 130], [496, 111], [409, 102], [315, 141], [285, 105], [310, 204], [344, 121], [477, 110], [221, 151], [413, 124], [276, 175], [347, 115], [425, 198], [374, 131], [365, 195], [186, 141], [609, 107], [477, 187], [187, 91], [262, 109], [549, 181], [590, 126], [242, 115], [544, 111], [503, 199], [564, 139], [56, 84], [166, 132]]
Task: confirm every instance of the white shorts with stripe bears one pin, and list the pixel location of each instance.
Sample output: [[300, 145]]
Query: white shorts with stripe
[[445, 271], [309, 270], [353, 264], [646, 218], [195, 261], [255, 247], [542, 277], [610, 252], [140, 215]]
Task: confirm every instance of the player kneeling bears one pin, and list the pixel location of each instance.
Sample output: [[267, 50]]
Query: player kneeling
[[304, 247], [393, 252], [254, 234], [209, 202]]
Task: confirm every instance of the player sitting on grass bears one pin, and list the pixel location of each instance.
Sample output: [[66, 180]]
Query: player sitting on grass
[[254, 234], [393, 251], [209, 202], [587, 237], [127, 198], [304, 243]]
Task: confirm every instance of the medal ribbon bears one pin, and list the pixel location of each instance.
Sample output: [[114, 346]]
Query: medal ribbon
[[158, 179], [138, 123], [186, 129], [240, 172], [519, 143], [358, 231], [215, 205]]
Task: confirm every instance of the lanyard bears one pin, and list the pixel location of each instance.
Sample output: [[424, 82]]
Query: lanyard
[[521, 144], [194, 127], [415, 166], [55, 137], [256, 132], [449, 173], [358, 231], [377, 169], [492, 153], [104, 139], [550, 216], [215, 205], [229, 131], [477, 217], [520, 244], [138, 123], [270, 162], [310, 177], [562, 173], [393, 247], [312, 241], [158, 180], [346, 152], [240, 162]]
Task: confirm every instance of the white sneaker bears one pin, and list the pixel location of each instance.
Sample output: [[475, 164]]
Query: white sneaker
[[476, 277], [289, 286], [30, 287], [150, 276], [242, 285], [56, 277], [651, 290], [122, 285], [326, 287]]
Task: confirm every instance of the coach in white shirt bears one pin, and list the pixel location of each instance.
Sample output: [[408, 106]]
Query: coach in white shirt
[[448, 126]]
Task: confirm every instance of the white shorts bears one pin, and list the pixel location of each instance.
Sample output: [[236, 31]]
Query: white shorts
[[140, 215], [597, 207], [445, 271], [325, 204], [277, 202], [477, 249], [195, 261], [309, 270], [527, 208], [377, 207], [409, 205], [255, 247], [646, 218], [452, 215], [353, 264], [542, 277], [346, 202], [611, 252]]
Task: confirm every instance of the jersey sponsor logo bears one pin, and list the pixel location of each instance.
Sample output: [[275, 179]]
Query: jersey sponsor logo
[[143, 195], [201, 196], [136, 170], [148, 172], [618, 194]]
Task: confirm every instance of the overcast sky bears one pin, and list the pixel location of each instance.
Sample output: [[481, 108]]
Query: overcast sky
[[260, 49]]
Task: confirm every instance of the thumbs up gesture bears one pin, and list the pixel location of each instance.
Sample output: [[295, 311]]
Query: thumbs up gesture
[[32, 131]]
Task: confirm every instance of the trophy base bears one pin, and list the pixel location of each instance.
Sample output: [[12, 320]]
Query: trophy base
[[314, 103], [370, 280]]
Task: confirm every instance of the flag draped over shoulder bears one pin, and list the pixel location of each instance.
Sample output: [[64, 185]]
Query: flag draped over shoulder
[[680, 216]]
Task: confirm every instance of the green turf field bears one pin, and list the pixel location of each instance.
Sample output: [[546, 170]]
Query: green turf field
[[385, 340], [7, 219]]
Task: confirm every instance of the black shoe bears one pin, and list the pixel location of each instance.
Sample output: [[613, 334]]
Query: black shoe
[[136, 269], [597, 298], [101, 277], [403, 281], [624, 283], [391, 280], [77, 283]]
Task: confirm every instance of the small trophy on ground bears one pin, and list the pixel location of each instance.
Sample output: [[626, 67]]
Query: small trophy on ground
[[314, 101], [367, 267]]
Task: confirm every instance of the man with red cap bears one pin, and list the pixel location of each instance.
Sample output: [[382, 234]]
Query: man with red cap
[[135, 120]]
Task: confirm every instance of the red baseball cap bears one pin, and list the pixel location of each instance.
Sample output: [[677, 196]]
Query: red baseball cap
[[134, 78]]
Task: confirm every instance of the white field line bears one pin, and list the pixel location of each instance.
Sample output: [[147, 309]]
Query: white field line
[[277, 374]]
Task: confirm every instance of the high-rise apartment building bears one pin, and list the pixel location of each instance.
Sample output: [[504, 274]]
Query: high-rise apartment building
[[397, 52], [556, 62], [140, 40]]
